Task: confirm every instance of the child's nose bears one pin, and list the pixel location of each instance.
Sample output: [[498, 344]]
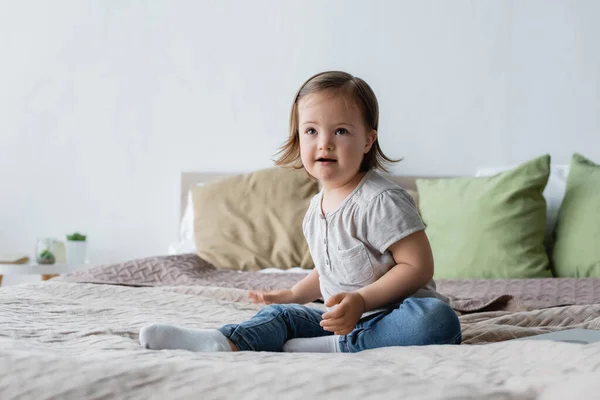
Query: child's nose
[[326, 142]]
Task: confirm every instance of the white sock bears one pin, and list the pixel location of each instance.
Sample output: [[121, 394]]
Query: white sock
[[321, 344], [162, 336]]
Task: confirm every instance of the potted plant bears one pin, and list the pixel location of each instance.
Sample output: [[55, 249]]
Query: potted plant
[[45, 251], [76, 248]]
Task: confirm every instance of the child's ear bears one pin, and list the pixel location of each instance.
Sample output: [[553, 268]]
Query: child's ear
[[371, 137]]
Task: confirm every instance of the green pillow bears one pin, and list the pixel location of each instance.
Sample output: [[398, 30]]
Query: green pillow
[[576, 250], [490, 227]]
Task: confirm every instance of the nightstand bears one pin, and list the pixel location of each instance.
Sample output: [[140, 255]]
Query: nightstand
[[47, 271]]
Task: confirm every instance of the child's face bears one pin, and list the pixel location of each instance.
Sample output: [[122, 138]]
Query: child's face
[[333, 137]]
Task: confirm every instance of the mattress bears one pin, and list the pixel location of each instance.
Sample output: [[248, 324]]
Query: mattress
[[77, 337]]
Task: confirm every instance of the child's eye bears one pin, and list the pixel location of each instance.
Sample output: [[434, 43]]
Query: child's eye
[[341, 131], [311, 131]]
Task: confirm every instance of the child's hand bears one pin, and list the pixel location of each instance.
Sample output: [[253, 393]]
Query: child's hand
[[281, 296], [343, 318]]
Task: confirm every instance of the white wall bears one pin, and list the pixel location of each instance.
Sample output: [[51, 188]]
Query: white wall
[[104, 103]]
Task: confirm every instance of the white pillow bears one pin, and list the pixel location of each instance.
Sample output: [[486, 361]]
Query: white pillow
[[186, 227], [182, 247], [553, 193], [187, 238]]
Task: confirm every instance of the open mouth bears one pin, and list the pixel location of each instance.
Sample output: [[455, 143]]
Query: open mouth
[[325, 160]]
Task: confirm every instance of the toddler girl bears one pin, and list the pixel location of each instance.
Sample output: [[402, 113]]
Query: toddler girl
[[373, 262]]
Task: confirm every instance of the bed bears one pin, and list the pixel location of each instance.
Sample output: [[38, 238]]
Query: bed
[[76, 336]]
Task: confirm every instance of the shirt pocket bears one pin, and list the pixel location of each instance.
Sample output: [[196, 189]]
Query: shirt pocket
[[354, 265]]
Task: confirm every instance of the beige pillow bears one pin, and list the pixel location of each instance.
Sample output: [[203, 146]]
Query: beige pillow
[[254, 221]]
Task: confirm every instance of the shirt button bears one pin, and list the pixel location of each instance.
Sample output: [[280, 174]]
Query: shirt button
[[325, 241], [327, 262]]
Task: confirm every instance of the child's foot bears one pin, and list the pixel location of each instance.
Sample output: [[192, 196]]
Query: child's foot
[[162, 336], [321, 344]]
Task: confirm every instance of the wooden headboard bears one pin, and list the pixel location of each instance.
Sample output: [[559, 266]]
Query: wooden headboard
[[190, 179]]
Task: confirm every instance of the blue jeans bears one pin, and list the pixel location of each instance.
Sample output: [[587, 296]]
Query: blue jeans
[[415, 322]]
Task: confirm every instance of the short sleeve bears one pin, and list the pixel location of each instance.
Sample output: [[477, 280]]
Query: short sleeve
[[389, 217], [309, 214]]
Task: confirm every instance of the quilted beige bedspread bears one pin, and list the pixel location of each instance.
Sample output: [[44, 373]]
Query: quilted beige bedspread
[[465, 295], [76, 340]]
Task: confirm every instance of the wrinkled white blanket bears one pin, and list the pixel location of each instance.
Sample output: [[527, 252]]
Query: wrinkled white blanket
[[74, 340]]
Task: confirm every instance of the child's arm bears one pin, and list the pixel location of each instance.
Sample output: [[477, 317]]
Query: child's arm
[[303, 292], [413, 269], [308, 289]]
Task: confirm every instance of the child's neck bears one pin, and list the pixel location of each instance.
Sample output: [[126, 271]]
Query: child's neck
[[333, 196]]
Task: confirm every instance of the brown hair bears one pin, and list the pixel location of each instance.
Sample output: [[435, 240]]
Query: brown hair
[[366, 100]]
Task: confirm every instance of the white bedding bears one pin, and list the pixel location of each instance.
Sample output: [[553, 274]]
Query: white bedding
[[73, 340]]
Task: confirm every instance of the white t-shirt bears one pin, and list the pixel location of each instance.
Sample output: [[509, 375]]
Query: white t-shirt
[[349, 245]]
